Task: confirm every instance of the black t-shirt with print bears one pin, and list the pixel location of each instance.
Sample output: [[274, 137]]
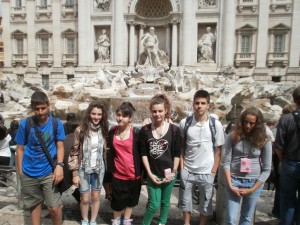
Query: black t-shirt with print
[[159, 152]]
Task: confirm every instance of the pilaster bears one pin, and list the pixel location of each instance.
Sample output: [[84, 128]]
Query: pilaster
[[118, 33], [295, 36], [57, 50], [84, 37], [228, 32], [31, 33], [188, 19], [262, 33]]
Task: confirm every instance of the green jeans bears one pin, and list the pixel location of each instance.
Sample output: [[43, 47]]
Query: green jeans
[[160, 196]]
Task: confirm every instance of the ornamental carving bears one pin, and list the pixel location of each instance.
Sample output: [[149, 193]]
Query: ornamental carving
[[103, 4]]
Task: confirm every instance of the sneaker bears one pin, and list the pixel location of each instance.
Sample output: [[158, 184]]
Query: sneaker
[[84, 222], [116, 221], [127, 222], [93, 223]]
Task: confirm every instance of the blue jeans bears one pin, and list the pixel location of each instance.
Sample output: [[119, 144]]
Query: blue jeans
[[248, 204], [289, 185]]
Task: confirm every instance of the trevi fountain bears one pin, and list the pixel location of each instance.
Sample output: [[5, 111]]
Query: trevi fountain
[[152, 74]]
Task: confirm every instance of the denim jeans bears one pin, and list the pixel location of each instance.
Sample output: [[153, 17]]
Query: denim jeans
[[248, 204], [289, 185]]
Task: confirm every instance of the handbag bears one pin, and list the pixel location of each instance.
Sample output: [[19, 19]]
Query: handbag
[[64, 184]]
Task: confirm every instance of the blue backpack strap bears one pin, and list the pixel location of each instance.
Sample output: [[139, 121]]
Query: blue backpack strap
[[212, 127]]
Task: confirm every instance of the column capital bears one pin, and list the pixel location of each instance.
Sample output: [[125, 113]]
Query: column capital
[[175, 21], [131, 23]]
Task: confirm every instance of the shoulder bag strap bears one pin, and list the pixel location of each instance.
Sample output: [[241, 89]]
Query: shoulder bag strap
[[39, 136]]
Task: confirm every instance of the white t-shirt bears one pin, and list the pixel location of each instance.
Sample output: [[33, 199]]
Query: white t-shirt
[[199, 152], [94, 149], [4, 147]]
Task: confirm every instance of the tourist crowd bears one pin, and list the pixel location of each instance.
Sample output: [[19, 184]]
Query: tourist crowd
[[162, 151]]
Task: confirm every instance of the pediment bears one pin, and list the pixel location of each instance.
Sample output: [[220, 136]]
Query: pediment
[[280, 26], [43, 31], [247, 27], [68, 31], [18, 32]]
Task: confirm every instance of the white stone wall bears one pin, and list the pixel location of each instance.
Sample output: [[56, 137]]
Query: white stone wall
[[178, 35]]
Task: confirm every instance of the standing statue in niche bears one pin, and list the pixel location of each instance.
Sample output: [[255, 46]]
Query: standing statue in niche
[[152, 55], [103, 45], [205, 46], [150, 43]]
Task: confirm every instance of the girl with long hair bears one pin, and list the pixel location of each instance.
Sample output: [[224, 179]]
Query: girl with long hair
[[126, 164], [247, 165], [160, 144], [90, 150]]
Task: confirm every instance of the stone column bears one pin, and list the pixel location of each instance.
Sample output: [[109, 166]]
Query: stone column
[[187, 32], [174, 43], [30, 18], [83, 30], [262, 34], [57, 50], [6, 35], [295, 36], [228, 32], [141, 47], [131, 43], [118, 45], [168, 39]]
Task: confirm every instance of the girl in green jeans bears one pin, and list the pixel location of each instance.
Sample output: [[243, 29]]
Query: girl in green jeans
[[160, 144]]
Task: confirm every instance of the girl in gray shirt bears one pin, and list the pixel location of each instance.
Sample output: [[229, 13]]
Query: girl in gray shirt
[[247, 165]]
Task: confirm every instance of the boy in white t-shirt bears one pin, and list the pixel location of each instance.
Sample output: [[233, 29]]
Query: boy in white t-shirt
[[200, 157]]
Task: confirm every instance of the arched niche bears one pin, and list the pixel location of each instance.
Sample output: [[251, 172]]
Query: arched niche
[[132, 5]]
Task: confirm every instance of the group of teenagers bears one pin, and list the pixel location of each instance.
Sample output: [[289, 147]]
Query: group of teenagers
[[159, 149]]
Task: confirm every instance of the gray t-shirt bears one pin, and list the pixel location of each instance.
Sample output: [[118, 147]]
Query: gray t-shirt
[[199, 152], [261, 159]]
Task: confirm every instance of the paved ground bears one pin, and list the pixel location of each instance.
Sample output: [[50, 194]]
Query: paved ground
[[11, 214]]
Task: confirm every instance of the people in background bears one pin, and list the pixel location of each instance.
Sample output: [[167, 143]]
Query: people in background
[[286, 145], [247, 165], [12, 131], [5, 153]]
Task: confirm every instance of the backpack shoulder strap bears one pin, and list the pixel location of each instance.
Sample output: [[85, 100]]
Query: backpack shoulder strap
[[55, 126], [296, 115], [187, 124], [28, 126], [212, 127]]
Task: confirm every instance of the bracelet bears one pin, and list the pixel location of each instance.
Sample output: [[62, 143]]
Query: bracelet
[[250, 191], [174, 171]]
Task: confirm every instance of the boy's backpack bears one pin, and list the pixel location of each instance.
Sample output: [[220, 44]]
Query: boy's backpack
[[212, 127], [28, 126], [296, 115]]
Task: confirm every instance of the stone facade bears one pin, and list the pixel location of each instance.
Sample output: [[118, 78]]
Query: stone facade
[[54, 40], [1, 48]]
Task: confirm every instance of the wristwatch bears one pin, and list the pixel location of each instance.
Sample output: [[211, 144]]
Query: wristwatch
[[60, 164]]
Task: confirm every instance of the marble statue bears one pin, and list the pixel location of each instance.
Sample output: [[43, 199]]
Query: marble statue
[[152, 62], [205, 46], [150, 43], [103, 44]]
